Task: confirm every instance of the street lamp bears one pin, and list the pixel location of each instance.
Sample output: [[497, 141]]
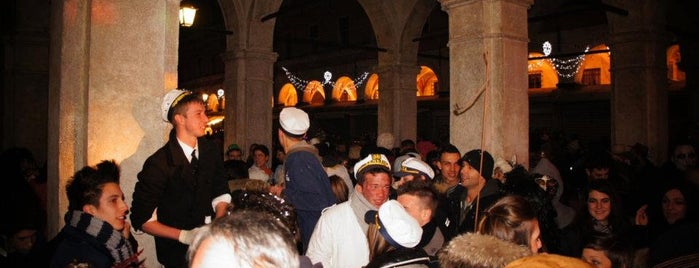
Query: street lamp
[[187, 13]]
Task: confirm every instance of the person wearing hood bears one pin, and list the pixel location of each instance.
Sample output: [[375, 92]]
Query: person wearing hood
[[553, 184], [339, 238]]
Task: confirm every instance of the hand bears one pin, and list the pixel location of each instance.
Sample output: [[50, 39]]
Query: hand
[[187, 236], [641, 216]]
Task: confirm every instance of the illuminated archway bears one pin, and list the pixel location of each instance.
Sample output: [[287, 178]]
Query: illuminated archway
[[314, 93], [426, 81], [595, 68], [371, 91], [287, 95], [344, 90], [541, 70], [673, 71]]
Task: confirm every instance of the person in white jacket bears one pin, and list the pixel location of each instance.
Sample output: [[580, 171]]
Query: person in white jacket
[[339, 238]]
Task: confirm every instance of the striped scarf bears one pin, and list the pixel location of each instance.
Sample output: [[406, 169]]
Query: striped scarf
[[119, 247]]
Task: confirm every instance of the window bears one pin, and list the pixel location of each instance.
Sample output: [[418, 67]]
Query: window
[[591, 77], [535, 80]]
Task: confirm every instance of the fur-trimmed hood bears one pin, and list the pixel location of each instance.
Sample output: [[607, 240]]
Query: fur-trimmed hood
[[478, 250]]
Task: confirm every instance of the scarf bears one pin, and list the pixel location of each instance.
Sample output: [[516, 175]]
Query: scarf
[[119, 247], [360, 206]]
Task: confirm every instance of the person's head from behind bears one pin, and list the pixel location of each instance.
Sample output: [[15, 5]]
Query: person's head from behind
[[373, 174], [244, 239], [684, 156], [262, 201], [419, 199], [512, 219], [391, 227], [96, 191], [602, 201], [606, 251], [339, 187], [293, 124]]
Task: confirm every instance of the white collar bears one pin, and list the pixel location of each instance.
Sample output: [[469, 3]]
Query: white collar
[[188, 150]]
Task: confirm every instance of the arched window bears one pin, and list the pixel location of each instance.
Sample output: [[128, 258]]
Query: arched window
[[595, 68], [371, 91], [542, 74], [344, 90], [287, 95], [426, 81], [314, 93]]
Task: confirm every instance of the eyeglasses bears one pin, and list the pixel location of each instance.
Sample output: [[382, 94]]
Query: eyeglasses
[[683, 156]]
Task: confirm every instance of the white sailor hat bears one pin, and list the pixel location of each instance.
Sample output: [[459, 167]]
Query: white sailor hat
[[294, 120], [170, 100], [396, 226]]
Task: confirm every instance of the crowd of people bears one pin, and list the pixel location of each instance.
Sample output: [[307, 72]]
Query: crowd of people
[[318, 203]]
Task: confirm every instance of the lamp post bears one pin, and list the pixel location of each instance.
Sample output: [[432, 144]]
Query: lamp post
[[187, 13]]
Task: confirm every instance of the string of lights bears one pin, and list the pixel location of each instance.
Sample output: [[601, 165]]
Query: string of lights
[[300, 84], [565, 67]]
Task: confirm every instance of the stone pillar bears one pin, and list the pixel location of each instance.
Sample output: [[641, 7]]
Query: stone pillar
[[639, 78], [249, 97], [111, 63], [397, 109], [488, 38]]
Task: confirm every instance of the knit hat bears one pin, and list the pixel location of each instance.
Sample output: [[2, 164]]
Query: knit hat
[[473, 158], [233, 147], [395, 225], [294, 121], [170, 100], [414, 166], [372, 160]]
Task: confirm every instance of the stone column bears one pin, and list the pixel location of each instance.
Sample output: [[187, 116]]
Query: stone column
[[488, 39], [639, 82], [249, 96], [111, 63], [397, 109]]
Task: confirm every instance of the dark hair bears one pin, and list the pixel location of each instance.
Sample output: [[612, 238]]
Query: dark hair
[[262, 148], [407, 143], [509, 219], [598, 160], [617, 221], [236, 169], [422, 190], [617, 250], [179, 108], [85, 188], [449, 148]]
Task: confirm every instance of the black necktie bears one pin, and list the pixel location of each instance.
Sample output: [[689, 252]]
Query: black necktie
[[194, 162]]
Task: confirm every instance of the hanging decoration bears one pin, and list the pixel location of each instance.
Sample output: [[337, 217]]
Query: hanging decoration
[[300, 84], [565, 67]]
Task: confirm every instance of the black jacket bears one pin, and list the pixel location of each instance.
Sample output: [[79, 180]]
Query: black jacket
[[182, 196]]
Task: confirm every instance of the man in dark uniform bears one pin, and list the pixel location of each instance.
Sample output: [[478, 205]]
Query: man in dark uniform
[[182, 185]]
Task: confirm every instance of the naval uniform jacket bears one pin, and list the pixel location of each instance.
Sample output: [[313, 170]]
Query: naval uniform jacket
[[181, 195]]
